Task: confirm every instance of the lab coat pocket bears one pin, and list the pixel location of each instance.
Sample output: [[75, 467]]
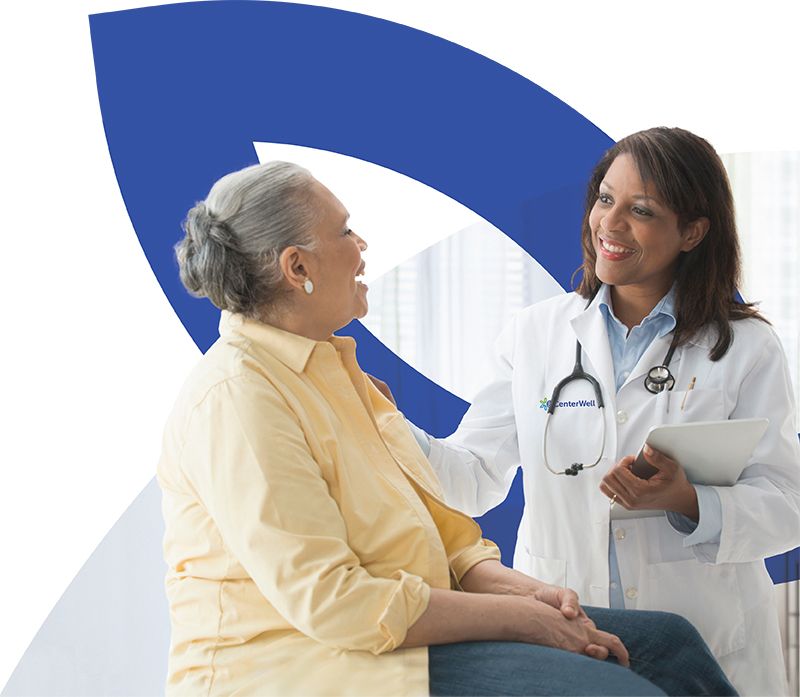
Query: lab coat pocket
[[682, 406], [553, 571], [707, 595]]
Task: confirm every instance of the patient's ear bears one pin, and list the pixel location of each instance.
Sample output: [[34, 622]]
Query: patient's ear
[[291, 262]]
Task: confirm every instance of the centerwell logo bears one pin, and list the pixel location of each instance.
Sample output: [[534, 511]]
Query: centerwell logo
[[544, 403]]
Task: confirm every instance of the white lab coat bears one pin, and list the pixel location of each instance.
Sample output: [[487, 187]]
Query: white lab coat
[[723, 589]]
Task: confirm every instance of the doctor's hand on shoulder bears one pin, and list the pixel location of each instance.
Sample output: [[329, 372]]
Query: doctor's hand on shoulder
[[668, 489]]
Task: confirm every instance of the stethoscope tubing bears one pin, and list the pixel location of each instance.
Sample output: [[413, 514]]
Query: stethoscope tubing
[[575, 467], [658, 379]]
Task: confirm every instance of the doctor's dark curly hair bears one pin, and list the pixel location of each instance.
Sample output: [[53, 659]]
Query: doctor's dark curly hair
[[689, 176]]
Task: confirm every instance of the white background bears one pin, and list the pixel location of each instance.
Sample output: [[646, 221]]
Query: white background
[[92, 354]]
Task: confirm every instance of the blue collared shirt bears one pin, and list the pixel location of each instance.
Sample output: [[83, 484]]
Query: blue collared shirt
[[626, 350]]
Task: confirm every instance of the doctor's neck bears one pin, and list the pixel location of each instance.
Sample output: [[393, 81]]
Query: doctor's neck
[[632, 303]]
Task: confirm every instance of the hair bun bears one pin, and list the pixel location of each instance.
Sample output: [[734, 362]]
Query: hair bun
[[203, 227], [232, 241], [211, 261]]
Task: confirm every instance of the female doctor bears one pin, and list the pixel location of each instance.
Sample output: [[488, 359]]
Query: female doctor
[[660, 271]]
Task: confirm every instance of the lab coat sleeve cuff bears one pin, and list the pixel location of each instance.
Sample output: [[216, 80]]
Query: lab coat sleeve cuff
[[707, 531], [465, 559], [421, 437], [408, 601]]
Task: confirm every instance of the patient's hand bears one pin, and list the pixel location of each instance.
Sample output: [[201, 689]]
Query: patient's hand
[[454, 616], [563, 599], [545, 625], [383, 388], [490, 576], [566, 601]]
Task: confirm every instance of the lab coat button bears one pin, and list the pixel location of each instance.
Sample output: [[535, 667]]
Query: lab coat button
[[632, 593], [622, 417], [619, 533]]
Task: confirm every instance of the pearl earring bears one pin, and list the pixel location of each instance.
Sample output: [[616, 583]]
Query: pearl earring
[[308, 286]]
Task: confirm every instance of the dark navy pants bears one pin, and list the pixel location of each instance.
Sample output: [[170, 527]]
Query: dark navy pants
[[667, 656]]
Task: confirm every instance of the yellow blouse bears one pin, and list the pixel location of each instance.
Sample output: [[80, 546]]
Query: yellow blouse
[[304, 526]]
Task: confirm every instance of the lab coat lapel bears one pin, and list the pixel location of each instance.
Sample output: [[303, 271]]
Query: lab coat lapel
[[590, 329]]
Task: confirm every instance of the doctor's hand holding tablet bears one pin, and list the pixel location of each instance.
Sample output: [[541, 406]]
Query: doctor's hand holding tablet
[[660, 483], [715, 453], [652, 337]]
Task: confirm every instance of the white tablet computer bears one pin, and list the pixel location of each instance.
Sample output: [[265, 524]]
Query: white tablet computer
[[711, 452]]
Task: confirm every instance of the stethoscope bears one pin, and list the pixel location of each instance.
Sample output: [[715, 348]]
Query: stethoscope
[[658, 379]]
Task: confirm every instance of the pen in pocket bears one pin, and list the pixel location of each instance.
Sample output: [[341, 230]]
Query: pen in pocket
[[688, 390]]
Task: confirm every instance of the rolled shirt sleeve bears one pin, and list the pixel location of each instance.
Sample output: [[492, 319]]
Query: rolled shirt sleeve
[[247, 458], [463, 560]]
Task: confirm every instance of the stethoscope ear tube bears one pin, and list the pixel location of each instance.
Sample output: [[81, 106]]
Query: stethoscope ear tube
[[578, 373]]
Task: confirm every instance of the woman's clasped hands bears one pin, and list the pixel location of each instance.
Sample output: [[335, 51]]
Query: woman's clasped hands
[[512, 606], [555, 618]]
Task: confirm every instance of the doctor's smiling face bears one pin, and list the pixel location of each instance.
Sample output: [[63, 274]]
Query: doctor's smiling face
[[659, 211], [636, 236]]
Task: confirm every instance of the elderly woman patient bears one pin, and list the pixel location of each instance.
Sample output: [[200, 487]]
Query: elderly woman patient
[[308, 546]]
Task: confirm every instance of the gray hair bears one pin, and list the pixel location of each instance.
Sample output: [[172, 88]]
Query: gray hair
[[233, 239]]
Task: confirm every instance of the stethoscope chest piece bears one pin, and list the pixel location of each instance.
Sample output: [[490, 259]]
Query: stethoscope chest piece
[[659, 379]]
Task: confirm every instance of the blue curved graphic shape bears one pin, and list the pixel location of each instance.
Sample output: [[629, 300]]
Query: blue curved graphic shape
[[186, 89]]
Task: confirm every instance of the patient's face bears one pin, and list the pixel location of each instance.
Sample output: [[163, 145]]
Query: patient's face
[[339, 296]]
